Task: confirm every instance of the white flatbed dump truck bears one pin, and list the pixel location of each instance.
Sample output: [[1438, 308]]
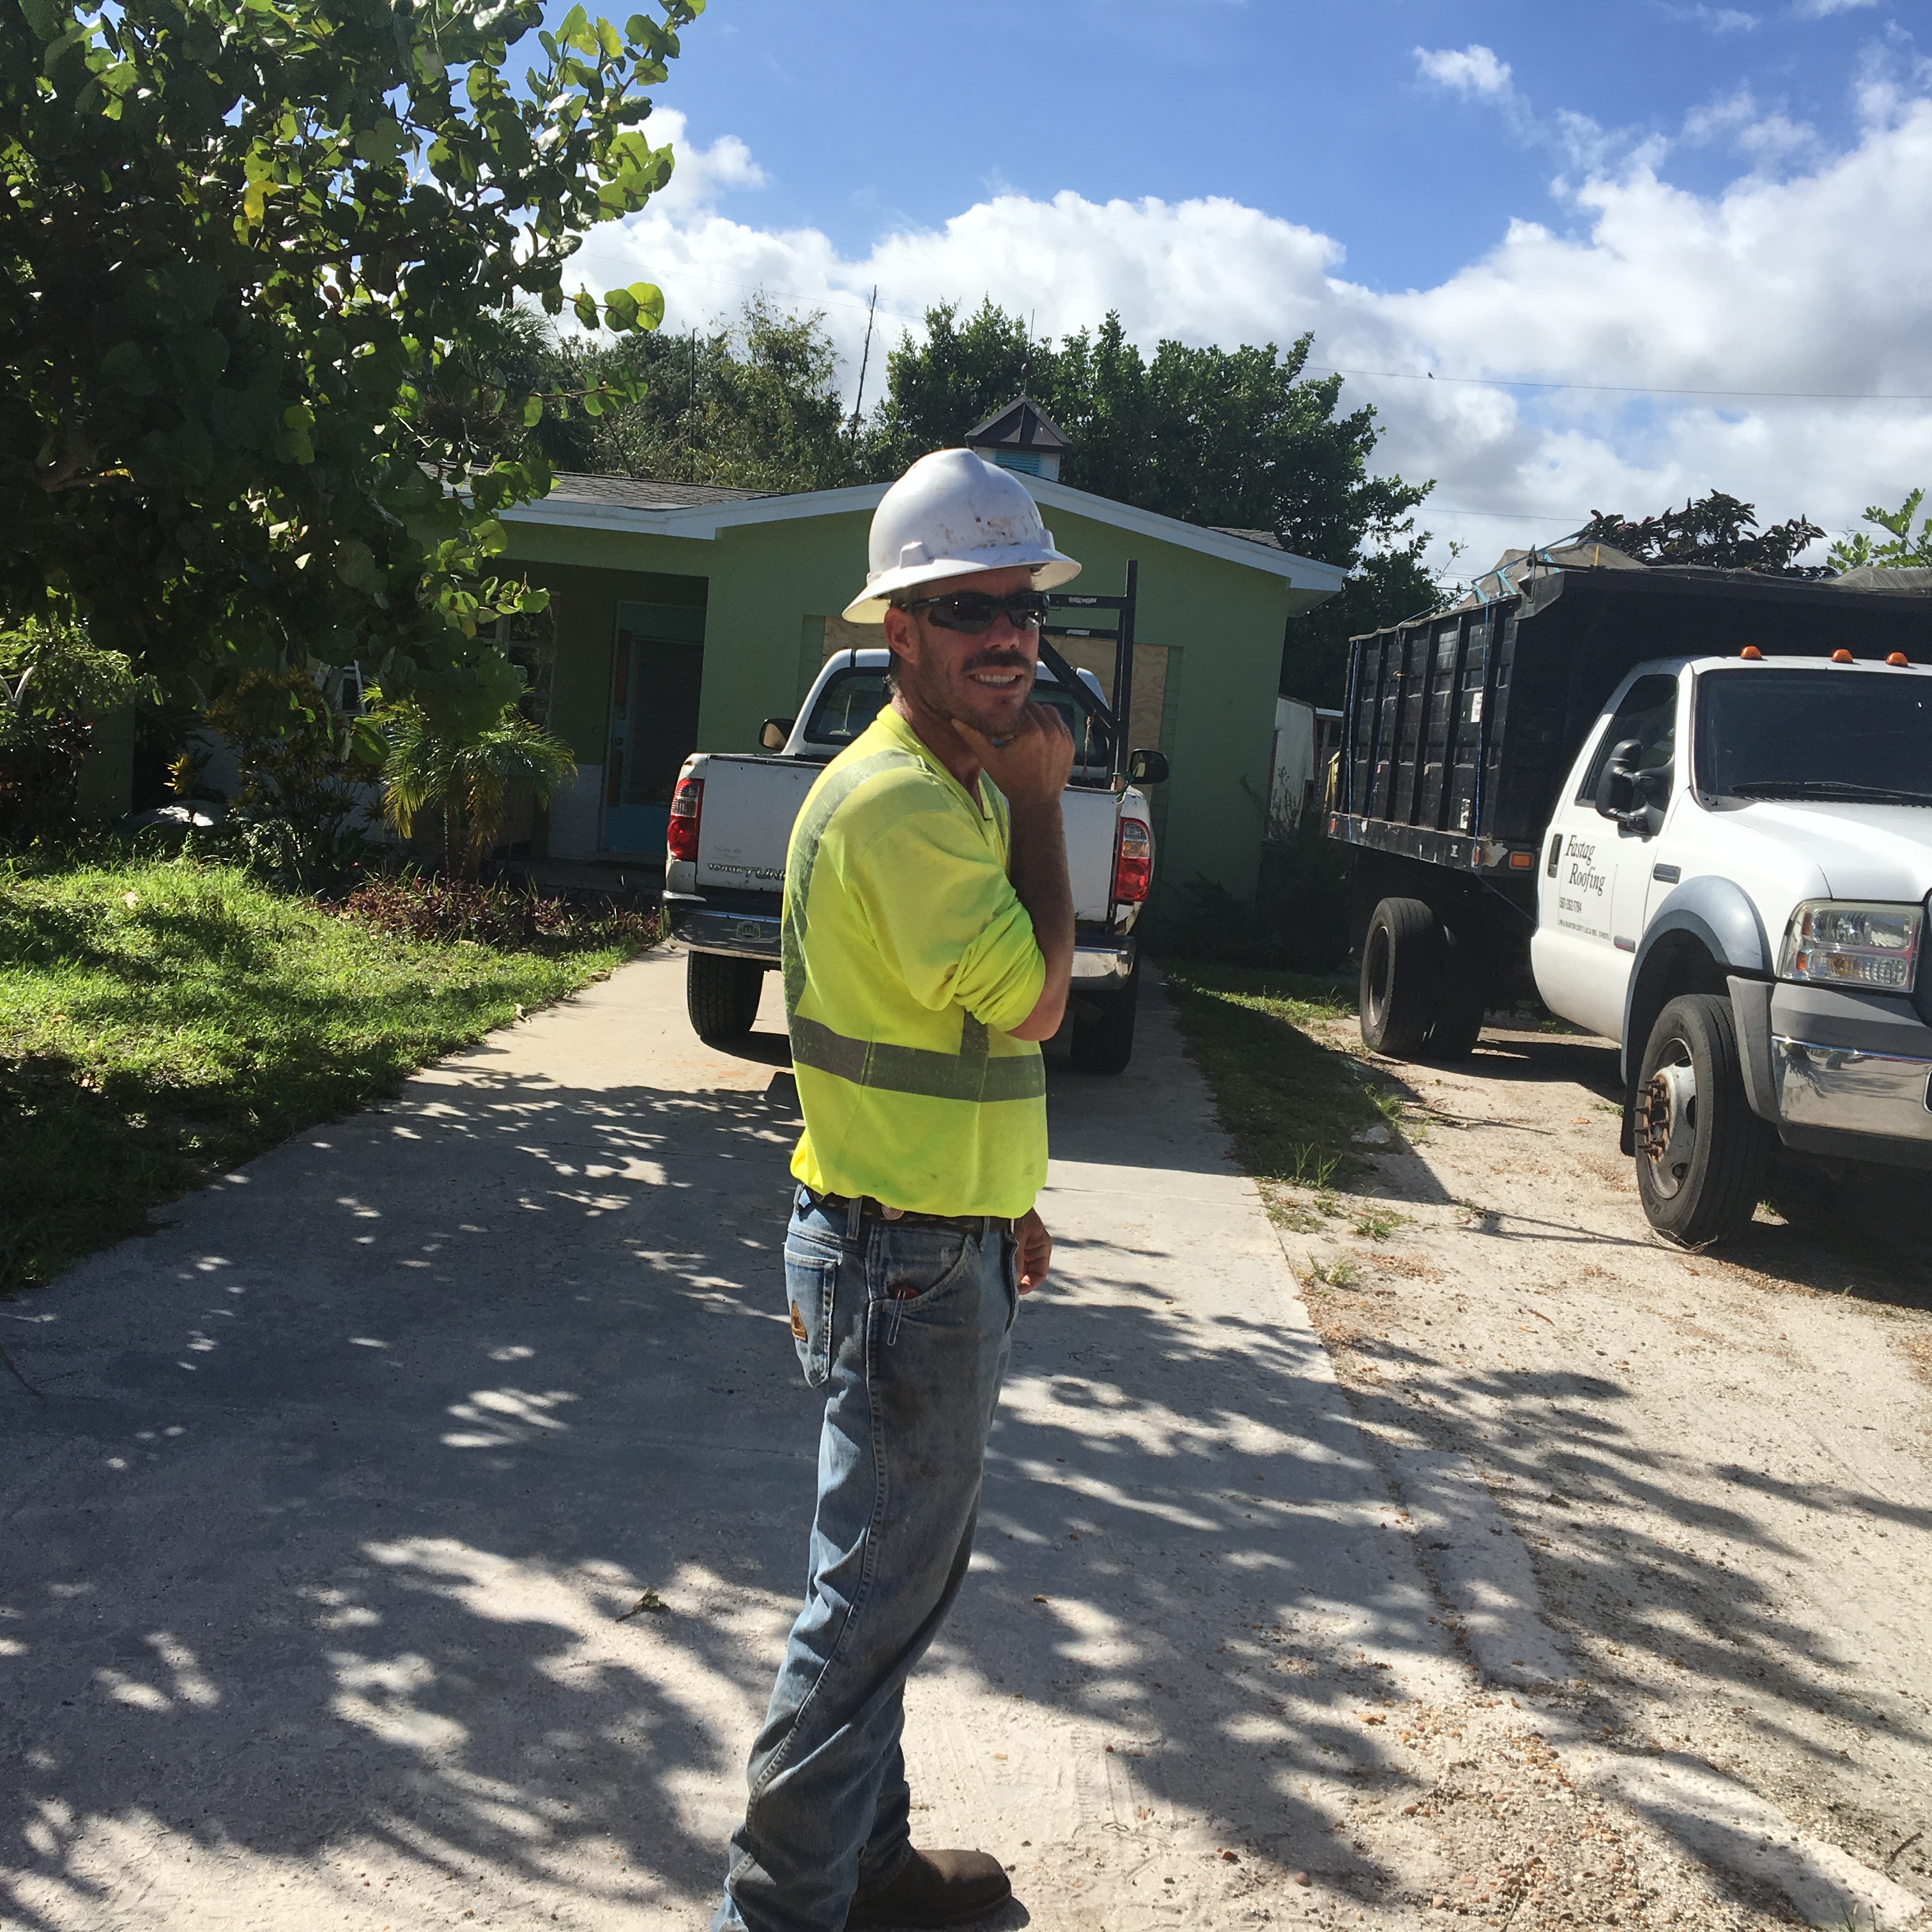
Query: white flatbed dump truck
[[731, 821], [1693, 809]]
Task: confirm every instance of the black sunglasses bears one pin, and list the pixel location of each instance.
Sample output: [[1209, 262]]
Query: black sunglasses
[[973, 611]]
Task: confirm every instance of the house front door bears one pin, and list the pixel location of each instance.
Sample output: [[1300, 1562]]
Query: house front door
[[657, 673]]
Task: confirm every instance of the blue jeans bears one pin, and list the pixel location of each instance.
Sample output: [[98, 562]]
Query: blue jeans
[[906, 1329]]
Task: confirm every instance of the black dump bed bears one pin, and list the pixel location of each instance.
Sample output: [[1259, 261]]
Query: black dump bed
[[1460, 727]]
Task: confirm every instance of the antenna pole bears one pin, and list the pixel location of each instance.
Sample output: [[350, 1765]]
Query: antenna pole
[[859, 401]]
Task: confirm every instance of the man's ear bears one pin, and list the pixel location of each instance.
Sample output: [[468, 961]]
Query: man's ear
[[901, 633]]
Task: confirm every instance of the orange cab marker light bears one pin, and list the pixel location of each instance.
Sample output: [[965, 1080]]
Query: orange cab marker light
[[1841, 657], [1522, 862], [1752, 651], [1898, 658]]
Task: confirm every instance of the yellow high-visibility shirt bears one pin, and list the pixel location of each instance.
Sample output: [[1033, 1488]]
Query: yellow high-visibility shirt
[[908, 954]]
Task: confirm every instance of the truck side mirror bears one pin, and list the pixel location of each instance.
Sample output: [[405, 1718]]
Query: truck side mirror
[[1652, 790], [1616, 789], [774, 731], [1147, 767]]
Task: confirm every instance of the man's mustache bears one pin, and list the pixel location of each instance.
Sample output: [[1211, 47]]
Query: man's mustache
[[998, 660]]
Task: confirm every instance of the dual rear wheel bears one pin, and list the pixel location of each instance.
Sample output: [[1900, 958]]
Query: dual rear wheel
[[1424, 984]]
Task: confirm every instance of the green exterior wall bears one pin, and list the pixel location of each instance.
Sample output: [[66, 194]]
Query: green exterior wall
[[764, 585]]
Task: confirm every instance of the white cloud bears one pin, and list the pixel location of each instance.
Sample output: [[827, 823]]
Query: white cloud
[[1737, 121], [1717, 19], [1822, 10], [1819, 281], [701, 175], [1473, 71]]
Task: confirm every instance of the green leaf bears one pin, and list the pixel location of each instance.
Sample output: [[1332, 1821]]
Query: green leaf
[[585, 305], [68, 41], [200, 355], [620, 308], [650, 301], [533, 410], [380, 142], [367, 744], [48, 21], [126, 367], [355, 564]]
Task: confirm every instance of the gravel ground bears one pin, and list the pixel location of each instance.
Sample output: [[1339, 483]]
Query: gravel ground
[[1716, 1463]]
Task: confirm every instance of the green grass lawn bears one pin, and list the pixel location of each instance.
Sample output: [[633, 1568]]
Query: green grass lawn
[[160, 1021], [1291, 1102]]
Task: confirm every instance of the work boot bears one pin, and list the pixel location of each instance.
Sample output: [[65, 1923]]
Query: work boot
[[934, 1888]]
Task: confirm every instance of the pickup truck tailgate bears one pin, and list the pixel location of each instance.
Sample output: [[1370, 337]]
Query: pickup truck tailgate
[[1089, 817], [749, 805]]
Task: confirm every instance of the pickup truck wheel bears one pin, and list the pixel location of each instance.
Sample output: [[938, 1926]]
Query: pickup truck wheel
[[1402, 977], [1701, 1152], [1105, 1043], [721, 994], [1458, 1024]]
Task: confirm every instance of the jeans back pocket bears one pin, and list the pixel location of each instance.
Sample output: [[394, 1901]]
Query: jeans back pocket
[[811, 1281]]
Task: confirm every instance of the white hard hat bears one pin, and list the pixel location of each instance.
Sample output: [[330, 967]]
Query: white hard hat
[[951, 514]]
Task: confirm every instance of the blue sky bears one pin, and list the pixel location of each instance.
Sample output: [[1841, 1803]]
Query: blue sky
[[1663, 196], [867, 115]]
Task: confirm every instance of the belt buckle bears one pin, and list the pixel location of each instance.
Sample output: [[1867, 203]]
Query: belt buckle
[[890, 1213]]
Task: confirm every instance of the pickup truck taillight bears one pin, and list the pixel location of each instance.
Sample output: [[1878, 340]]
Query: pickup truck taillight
[[1133, 861], [687, 804]]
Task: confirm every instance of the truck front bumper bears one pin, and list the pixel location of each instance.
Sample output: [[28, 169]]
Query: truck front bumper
[[1855, 1065]]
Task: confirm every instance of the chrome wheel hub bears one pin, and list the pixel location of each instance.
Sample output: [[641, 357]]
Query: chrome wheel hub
[[1666, 1125]]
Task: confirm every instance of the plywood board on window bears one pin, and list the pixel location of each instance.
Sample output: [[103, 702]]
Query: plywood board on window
[[1143, 719]]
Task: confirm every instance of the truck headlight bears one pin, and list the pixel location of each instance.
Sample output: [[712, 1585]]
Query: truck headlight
[[1845, 943]]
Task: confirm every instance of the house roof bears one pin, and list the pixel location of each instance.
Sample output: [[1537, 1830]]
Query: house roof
[[1267, 537], [641, 493], [700, 512], [1022, 424]]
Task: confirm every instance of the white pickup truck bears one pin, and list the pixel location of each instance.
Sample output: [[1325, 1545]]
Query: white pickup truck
[[1731, 879], [731, 819]]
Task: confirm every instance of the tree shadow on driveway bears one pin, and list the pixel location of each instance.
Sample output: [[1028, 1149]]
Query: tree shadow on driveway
[[412, 1530]]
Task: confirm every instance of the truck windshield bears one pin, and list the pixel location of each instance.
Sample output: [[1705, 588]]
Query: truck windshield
[[1824, 734], [851, 701]]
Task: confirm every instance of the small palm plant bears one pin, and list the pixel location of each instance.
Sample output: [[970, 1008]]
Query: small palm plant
[[468, 777]]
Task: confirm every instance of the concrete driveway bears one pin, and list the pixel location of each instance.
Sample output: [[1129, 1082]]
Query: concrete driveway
[[320, 1559]]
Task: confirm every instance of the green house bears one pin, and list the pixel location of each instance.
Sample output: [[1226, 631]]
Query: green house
[[683, 616]]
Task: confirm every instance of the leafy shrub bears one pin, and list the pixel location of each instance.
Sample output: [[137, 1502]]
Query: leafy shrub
[[419, 907], [300, 818], [54, 684], [467, 772]]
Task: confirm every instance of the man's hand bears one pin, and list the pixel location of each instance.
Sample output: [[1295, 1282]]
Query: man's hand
[[1034, 1247], [1032, 764]]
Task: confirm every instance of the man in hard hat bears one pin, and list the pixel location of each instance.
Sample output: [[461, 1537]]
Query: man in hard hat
[[928, 943]]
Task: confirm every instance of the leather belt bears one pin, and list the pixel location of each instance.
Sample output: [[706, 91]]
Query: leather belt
[[871, 1209]]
